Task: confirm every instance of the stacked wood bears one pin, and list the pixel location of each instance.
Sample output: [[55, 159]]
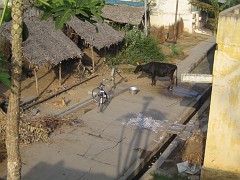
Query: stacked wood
[[36, 130], [39, 129]]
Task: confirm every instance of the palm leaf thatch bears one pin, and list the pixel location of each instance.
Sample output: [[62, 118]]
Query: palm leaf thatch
[[45, 45], [123, 14], [98, 35]]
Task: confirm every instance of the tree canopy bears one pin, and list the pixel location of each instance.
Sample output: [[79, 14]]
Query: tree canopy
[[213, 6], [63, 10]]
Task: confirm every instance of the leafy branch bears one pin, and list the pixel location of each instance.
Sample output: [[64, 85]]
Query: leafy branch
[[63, 10], [4, 75], [211, 6]]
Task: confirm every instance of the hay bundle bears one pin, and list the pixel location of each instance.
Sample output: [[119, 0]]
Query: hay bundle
[[180, 26], [193, 149], [159, 33], [170, 34]]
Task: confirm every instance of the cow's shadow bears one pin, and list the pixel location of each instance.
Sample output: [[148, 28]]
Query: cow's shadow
[[164, 81]]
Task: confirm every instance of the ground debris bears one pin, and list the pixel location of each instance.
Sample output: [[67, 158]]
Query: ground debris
[[194, 148], [39, 129]]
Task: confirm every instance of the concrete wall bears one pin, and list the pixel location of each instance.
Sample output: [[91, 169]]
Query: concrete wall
[[222, 151], [163, 14]]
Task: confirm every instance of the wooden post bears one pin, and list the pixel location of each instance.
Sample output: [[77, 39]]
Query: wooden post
[[93, 63], [104, 59], [60, 73], [113, 76], [145, 17], [175, 24], [36, 81]]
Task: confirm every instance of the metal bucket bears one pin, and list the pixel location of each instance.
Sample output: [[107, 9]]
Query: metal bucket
[[133, 90]]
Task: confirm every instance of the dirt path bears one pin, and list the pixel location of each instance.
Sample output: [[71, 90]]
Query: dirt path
[[49, 85]]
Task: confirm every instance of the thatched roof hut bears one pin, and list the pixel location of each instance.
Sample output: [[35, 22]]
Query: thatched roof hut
[[100, 35], [123, 14], [45, 45]]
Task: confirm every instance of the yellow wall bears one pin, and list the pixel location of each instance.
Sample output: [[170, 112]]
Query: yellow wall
[[223, 139]]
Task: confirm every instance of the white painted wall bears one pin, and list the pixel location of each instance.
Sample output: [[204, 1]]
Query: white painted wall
[[2, 4], [163, 14]]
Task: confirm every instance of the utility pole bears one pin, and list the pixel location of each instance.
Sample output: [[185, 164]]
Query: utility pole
[[145, 17], [175, 24]]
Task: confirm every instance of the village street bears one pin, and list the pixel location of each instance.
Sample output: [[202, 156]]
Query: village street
[[115, 143]]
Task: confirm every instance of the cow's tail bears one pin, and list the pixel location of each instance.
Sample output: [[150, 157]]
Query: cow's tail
[[176, 77]]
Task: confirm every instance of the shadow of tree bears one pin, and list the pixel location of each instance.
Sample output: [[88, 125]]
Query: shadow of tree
[[59, 171], [136, 143]]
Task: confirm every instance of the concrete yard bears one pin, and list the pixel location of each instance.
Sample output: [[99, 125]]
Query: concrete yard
[[113, 144]]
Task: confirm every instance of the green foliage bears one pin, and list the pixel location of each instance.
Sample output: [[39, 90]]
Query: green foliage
[[138, 48], [213, 6], [6, 13], [176, 51], [63, 10], [169, 177], [6, 17], [4, 76]]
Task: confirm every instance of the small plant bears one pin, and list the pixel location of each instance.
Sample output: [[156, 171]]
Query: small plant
[[138, 48], [176, 51], [157, 176], [4, 76]]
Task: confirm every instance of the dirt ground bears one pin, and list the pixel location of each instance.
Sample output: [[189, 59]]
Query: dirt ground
[[49, 83]]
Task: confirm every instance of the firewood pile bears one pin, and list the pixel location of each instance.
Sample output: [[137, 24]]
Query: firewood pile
[[38, 129]]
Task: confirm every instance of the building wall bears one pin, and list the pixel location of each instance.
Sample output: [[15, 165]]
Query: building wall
[[223, 139], [163, 14]]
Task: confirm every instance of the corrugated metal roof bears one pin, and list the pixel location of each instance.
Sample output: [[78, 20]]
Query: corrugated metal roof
[[131, 3]]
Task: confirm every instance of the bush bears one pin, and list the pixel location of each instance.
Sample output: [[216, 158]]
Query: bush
[[137, 48]]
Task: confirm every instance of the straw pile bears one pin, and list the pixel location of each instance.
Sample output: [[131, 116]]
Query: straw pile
[[193, 149]]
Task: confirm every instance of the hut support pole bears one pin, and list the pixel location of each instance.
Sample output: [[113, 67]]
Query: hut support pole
[[113, 77], [60, 73], [93, 63], [117, 50], [36, 81], [104, 59]]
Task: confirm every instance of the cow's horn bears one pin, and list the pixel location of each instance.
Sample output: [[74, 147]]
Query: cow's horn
[[138, 63]]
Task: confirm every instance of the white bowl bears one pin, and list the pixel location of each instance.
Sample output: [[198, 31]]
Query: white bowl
[[133, 90]]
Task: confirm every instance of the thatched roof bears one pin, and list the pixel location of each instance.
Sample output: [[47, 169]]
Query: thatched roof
[[99, 35], [123, 14], [45, 45]]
